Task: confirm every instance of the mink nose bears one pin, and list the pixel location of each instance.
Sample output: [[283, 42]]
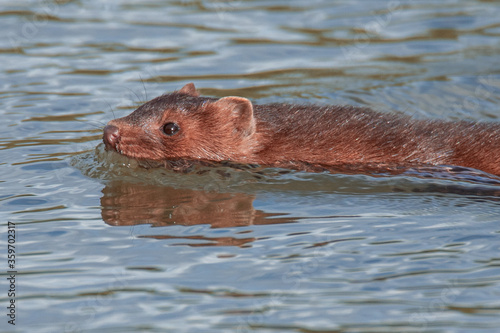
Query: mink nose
[[111, 136]]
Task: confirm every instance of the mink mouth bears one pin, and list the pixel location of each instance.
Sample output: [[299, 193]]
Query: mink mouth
[[114, 141], [129, 153]]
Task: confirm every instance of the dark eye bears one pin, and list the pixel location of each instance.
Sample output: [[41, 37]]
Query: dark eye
[[171, 128]]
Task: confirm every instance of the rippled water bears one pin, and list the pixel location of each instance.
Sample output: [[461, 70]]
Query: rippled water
[[103, 245]]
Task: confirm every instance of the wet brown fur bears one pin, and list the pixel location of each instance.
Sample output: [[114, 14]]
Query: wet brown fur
[[298, 136]]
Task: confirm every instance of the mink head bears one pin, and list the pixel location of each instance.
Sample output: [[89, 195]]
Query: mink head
[[183, 125]]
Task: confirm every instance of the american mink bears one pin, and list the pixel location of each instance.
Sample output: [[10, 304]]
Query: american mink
[[186, 126]]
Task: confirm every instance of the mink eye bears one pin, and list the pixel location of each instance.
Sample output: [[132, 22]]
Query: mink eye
[[171, 129]]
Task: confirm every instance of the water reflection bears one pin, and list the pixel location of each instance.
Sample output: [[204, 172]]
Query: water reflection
[[125, 204]]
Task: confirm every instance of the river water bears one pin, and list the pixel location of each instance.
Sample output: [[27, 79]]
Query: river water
[[103, 245]]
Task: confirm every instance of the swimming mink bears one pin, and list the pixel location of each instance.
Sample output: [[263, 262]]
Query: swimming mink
[[185, 126]]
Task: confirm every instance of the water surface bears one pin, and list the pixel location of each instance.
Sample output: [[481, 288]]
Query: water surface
[[106, 246]]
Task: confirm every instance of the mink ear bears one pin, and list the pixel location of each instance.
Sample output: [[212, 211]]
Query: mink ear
[[189, 89], [240, 110]]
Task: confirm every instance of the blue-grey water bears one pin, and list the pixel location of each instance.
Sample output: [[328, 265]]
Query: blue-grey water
[[103, 245]]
